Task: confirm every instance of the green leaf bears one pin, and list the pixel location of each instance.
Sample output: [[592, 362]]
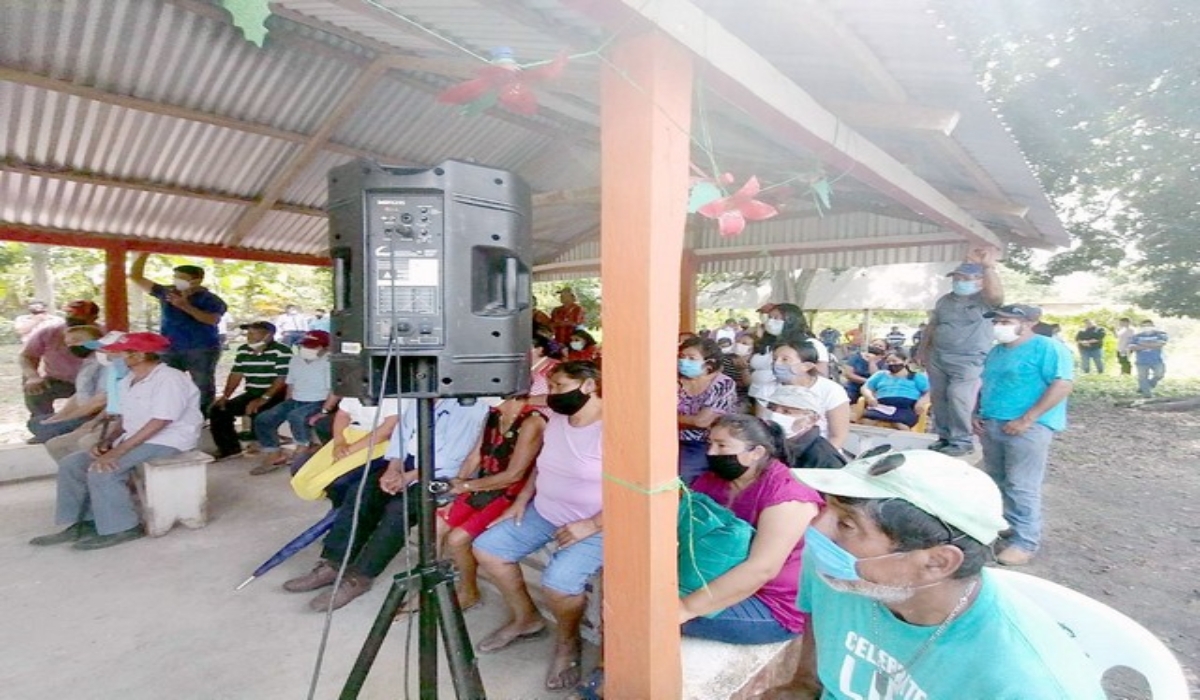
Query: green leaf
[[822, 192], [703, 193], [251, 17]]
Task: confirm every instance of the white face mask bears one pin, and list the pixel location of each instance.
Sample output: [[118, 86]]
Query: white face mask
[[182, 285], [742, 350], [784, 421], [1004, 333], [103, 358], [257, 346], [309, 353], [576, 345], [774, 326]]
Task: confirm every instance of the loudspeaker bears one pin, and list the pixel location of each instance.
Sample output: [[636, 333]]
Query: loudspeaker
[[432, 265]]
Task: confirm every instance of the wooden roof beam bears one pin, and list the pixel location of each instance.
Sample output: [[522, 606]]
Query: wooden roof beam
[[999, 206], [168, 110], [895, 117], [746, 77], [86, 178]]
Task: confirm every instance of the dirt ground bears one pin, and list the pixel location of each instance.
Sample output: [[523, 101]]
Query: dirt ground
[[1122, 508]]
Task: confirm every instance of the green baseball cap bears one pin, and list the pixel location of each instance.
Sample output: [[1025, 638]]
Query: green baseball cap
[[946, 488]]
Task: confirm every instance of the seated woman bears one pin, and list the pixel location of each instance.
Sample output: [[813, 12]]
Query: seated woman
[[488, 483], [896, 396], [859, 366], [797, 364], [566, 510], [545, 355], [704, 395], [755, 602], [582, 347], [795, 412]]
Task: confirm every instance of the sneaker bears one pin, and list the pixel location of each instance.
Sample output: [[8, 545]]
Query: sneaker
[[1014, 556], [956, 450], [74, 533], [116, 538], [353, 585], [939, 444], [323, 574]]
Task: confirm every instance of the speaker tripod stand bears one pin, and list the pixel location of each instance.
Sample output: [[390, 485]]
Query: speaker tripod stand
[[433, 581]]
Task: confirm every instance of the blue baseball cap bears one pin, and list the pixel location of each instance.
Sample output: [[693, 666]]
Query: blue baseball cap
[[969, 269]]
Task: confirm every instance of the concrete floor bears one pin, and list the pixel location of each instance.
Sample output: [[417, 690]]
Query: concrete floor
[[158, 618]]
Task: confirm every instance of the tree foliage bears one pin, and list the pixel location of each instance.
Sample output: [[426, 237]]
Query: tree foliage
[[1104, 97]]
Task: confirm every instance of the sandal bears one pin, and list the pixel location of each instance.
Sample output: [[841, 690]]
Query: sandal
[[590, 689]]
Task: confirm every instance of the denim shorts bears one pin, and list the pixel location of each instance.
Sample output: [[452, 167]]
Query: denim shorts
[[569, 567]]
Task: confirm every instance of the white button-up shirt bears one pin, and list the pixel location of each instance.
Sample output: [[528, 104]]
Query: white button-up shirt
[[164, 394]]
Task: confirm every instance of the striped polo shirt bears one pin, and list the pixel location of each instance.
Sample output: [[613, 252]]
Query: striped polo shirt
[[259, 370]]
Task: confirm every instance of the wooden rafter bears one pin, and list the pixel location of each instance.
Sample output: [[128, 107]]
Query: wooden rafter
[[87, 178], [895, 117], [274, 190]]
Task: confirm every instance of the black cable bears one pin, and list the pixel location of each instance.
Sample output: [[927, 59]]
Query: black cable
[[358, 496]]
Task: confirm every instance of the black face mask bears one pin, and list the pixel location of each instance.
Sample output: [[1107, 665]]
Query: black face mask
[[76, 321], [726, 467], [895, 368], [80, 351], [567, 403]]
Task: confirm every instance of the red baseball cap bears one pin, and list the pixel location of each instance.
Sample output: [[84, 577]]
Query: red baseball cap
[[765, 308], [139, 342], [315, 339], [83, 308]]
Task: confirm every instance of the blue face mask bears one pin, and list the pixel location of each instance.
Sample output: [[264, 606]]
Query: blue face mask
[[691, 368], [118, 367], [830, 559], [965, 288], [783, 373]]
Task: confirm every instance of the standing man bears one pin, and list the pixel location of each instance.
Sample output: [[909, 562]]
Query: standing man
[[895, 339], [956, 340], [566, 317], [25, 324], [1125, 335], [830, 338], [1090, 342], [48, 366], [1026, 380], [160, 417], [319, 321], [263, 364], [1147, 345], [291, 325], [190, 314]]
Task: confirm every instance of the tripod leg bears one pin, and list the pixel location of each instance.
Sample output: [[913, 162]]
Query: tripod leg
[[464, 669], [402, 585]]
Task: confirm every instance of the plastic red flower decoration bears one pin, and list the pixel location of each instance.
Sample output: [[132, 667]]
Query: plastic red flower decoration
[[503, 82], [734, 211]]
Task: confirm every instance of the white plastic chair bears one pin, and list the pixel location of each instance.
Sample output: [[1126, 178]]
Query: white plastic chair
[[1108, 637]]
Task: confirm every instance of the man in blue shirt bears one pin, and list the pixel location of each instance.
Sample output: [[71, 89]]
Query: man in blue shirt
[[190, 315], [901, 605], [386, 515], [1026, 380], [1146, 346]]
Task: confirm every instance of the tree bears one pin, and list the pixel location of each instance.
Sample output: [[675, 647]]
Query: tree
[[1104, 98]]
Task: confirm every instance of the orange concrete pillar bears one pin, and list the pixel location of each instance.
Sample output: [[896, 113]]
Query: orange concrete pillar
[[116, 289], [687, 292], [645, 115]]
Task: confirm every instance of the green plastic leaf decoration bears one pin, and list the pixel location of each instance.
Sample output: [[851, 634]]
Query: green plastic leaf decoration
[[703, 193], [251, 17], [822, 194]]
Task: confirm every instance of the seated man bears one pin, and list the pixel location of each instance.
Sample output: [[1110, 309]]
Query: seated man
[[796, 413], [386, 514], [47, 366], [308, 384], [160, 417], [263, 364], [566, 510], [94, 430], [88, 398], [901, 604]]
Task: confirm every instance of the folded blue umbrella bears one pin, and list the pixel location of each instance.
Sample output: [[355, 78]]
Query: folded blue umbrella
[[300, 542]]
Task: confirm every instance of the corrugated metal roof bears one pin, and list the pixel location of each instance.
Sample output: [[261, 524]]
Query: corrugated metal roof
[[156, 118]]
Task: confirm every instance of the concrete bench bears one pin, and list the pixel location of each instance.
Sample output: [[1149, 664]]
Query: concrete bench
[[173, 489]]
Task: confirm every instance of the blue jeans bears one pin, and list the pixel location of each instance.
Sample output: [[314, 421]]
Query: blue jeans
[[102, 496], [747, 622], [693, 459], [48, 431], [296, 413], [1017, 463], [1149, 376], [953, 389], [1092, 356]]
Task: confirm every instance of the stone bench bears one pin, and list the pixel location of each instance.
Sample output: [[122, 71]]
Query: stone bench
[[173, 489]]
